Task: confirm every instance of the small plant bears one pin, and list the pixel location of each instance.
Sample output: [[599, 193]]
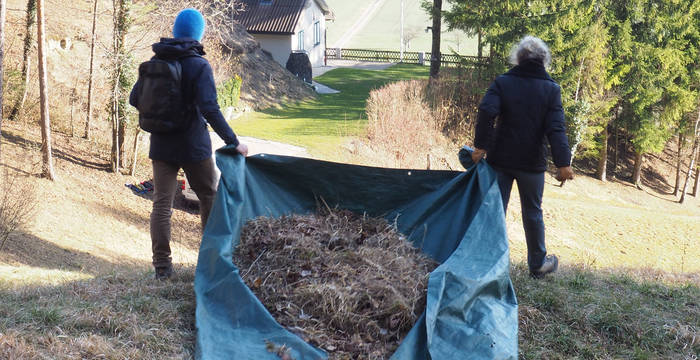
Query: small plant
[[229, 92], [17, 206]]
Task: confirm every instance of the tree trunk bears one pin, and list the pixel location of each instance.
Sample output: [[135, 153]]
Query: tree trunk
[[115, 128], [637, 175], [693, 155], [136, 151], [617, 149], [479, 44], [47, 167], [697, 177], [691, 166], [678, 164], [3, 12], [121, 26], [435, 56], [603, 159], [92, 71], [122, 138], [28, 41]]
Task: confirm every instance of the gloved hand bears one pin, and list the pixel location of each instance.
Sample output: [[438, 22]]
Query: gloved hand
[[477, 155], [565, 173]]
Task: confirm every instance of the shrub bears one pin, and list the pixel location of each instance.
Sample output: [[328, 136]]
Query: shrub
[[229, 92], [17, 206]]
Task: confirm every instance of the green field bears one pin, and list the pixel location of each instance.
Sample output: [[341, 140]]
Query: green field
[[383, 30], [322, 124]]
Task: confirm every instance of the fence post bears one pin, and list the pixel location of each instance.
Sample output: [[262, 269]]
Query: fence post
[[338, 54], [421, 58]]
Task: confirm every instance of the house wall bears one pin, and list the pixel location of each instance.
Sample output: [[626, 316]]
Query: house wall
[[280, 46], [311, 15]]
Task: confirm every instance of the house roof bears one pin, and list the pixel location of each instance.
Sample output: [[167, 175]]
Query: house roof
[[276, 16]]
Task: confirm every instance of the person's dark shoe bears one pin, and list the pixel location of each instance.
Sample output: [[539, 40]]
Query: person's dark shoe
[[550, 265], [164, 272]]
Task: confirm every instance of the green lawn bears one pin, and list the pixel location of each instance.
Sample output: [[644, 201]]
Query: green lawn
[[322, 124], [383, 30]]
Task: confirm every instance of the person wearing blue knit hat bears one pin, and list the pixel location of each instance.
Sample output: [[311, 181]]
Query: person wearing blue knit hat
[[189, 23], [188, 148]]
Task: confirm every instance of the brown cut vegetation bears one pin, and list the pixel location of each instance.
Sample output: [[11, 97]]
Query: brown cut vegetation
[[347, 283]]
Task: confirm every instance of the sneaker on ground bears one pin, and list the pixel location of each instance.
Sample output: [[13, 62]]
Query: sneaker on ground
[[550, 265], [164, 272]]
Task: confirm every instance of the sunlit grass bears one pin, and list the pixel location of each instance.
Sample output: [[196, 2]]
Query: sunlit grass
[[28, 275], [321, 125]]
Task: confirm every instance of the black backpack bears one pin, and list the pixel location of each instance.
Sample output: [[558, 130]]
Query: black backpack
[[161, 104]]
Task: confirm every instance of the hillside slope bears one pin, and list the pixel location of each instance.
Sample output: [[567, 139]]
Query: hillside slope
[[380, 27], [77, 283]]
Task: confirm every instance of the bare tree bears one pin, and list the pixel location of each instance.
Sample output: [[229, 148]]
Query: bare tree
[[693, 156], [409, 35], [26, 58], [3, 11], [91, 75], [122, 22], [47, 168]]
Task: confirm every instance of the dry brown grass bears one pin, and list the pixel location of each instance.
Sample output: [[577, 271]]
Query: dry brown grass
[[17, 204], [403, 130], [77, 281], [347, 283], [120, 316]]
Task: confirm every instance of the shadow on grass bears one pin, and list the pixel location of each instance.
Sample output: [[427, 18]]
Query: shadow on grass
[[186, 231], [30, 144], [30, 250]]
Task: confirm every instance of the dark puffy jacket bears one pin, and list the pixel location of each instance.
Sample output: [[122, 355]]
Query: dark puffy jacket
[[527, 103], [192, 144]]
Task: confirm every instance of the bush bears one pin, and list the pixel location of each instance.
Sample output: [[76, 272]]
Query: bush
[[17, 206], [455, 99], [229, 92]]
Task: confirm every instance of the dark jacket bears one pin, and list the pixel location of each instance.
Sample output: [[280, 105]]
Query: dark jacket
[[192, 144], [527, 103]]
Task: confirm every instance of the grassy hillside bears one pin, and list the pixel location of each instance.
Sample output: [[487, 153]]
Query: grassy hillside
[[382, 31], [321, 125], [77, 282]]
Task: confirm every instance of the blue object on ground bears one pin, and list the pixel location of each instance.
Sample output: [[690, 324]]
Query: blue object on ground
[[455, 217]]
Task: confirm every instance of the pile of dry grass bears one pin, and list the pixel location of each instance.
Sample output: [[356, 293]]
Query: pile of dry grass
[[349, 284]]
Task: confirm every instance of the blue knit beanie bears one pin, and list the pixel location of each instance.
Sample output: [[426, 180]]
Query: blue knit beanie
[[189, 23]]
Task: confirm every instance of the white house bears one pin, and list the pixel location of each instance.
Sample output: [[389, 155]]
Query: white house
[[286, 26]]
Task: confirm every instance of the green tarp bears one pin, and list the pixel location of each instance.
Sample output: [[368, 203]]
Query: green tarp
[[455, 217]]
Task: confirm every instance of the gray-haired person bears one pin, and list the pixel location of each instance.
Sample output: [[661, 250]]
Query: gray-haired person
[[527, 103]]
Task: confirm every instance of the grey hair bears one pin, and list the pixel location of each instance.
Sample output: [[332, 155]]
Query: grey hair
[[530, 47]]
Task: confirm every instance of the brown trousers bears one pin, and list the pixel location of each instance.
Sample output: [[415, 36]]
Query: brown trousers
[[202, 179]]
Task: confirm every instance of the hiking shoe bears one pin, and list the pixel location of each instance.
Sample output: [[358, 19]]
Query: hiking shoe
[[550, 265], [164, 272]]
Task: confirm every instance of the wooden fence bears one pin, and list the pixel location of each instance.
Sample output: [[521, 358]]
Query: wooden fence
[[412, 57]]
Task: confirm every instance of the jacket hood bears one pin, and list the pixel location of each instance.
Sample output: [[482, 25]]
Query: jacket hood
[[530, 68], [174, 48]]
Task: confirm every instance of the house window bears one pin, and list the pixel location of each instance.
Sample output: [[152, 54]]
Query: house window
[[300, 37], [317, 33]]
